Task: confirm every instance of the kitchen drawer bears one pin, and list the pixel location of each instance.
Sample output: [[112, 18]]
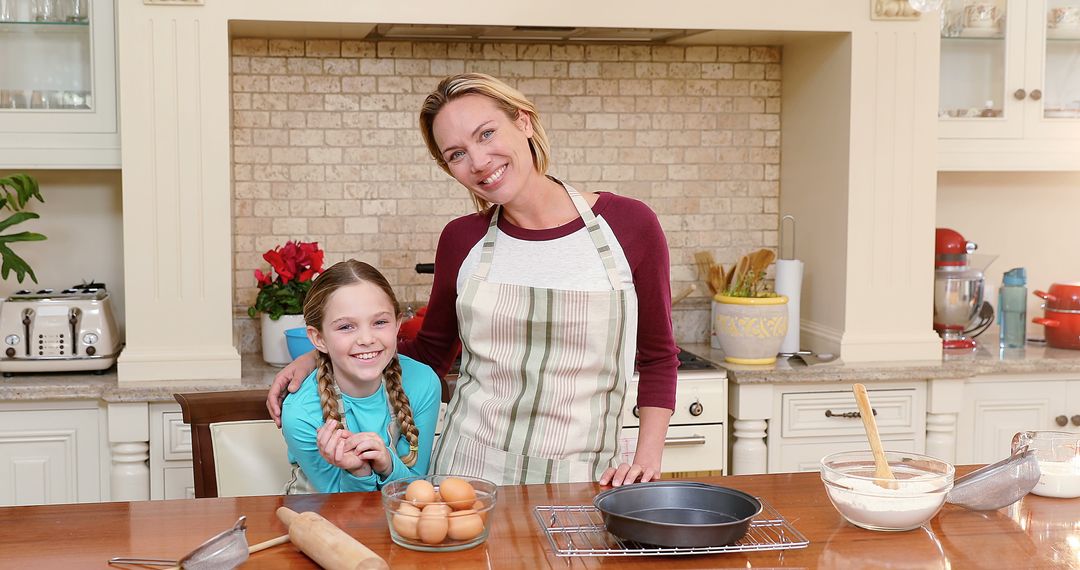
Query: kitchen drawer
[[176, 443], [179, 483], [807, 456], [815, 414], [686, 448]]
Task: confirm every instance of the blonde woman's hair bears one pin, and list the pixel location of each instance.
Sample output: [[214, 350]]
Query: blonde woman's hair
[[340, 275], [510, 100]]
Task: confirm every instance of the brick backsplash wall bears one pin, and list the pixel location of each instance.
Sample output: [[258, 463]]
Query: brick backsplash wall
[[326, 148]]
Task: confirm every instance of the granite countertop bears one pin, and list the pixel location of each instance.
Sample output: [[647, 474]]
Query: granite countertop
[[1034, 359], [255, 374]]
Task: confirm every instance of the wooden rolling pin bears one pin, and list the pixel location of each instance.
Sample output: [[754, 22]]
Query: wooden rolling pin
[[327, 544]]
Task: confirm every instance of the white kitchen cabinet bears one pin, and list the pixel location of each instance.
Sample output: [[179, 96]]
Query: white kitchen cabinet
[[811, 422], [58, 105], [782, 427], [51, 452], [997, 407], [171, 475], [1009, 90]]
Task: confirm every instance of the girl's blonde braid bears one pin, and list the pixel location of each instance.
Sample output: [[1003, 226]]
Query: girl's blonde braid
[[402, 410], [328, 393]]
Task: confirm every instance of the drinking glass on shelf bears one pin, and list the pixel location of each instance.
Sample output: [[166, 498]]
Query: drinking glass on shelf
[[40, 100], [45, 10], [77, 10], [7, 10], [7, 99]]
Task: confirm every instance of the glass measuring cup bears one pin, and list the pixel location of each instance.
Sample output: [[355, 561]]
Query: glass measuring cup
[[1058, 455]]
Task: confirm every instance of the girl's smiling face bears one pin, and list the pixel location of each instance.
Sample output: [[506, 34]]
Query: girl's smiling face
[[485, 150], [359, 333]]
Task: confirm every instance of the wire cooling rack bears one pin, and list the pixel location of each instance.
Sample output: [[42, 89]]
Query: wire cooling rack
[[578, 530]]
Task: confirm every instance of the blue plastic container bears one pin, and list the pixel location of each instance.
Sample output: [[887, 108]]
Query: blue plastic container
[[298, 342]]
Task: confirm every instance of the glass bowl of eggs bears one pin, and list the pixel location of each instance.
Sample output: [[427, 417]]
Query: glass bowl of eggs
[[438, 513]]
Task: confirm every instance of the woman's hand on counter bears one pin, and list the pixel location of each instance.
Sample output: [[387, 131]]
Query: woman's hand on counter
[[649, 452], [290, 377]]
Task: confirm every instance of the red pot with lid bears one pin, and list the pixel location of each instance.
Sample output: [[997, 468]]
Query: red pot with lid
[[1061, 315]]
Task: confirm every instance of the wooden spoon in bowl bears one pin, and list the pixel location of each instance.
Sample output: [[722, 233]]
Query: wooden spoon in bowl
[[881, 465]]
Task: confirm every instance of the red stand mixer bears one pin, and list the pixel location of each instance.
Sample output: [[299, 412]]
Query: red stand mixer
[[958, 292]]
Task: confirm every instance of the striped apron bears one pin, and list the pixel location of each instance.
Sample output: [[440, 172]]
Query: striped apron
[[543, 374]]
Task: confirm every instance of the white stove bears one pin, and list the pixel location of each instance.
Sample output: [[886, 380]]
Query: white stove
[[697, 435]]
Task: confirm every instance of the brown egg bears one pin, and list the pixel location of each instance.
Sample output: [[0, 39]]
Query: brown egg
[[405, 521], [464, 525], [436, 508], [420, 493], [457, 493], [432, 527], [478, 506]]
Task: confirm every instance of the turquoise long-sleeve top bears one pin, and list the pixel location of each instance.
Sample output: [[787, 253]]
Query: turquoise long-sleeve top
[[301, 418]]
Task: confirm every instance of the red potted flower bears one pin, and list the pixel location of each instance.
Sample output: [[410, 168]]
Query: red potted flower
[[282, 290]]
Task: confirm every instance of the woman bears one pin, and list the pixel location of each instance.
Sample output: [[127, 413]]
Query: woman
[[554, 294]]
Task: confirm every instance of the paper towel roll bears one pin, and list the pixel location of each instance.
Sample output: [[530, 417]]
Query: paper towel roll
[[789, 274]]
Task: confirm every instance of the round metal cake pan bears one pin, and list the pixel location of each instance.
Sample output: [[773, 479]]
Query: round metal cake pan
[[677, 513]]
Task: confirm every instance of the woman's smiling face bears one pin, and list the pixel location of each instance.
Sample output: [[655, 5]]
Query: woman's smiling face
[[485, 150], [359, 333]]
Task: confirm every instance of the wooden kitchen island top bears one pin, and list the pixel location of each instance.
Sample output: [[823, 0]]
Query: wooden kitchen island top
[[1035, 533]]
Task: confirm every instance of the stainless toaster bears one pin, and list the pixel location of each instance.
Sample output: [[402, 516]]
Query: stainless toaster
[[48, 331]]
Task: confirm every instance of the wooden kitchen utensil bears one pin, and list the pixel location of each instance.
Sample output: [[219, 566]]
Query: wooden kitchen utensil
[[327, 544], [686, 293], [706, 269], [881, 465]]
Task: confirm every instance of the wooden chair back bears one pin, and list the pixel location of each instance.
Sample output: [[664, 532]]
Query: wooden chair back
[[204, 408]]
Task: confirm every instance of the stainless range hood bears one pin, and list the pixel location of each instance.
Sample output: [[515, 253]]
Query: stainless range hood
[[524, 33], [485, 33], [462, 33]]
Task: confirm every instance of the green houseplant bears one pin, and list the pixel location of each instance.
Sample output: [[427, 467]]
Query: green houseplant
[[749, 321], [15, 192]]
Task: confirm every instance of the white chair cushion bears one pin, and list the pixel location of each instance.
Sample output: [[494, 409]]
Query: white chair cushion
[[250, 458]]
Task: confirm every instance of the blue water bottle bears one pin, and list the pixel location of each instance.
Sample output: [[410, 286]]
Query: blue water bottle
[[1012, 309]]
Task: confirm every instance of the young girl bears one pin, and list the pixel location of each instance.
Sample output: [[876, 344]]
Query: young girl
[[370, 417]]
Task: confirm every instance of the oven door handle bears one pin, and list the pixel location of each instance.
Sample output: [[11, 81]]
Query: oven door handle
[[684, 441]]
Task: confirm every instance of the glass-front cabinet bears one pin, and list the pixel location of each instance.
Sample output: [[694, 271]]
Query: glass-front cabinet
[[58, 84], [1010, 85]]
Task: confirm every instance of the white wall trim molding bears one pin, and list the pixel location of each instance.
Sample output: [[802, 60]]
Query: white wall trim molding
[[820, 338], [177, 196], [160, 365], [878, 347]]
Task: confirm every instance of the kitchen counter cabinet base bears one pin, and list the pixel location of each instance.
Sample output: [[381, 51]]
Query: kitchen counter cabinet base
[[51, 452]]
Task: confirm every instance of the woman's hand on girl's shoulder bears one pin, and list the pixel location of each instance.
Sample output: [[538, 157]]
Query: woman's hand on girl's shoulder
[[286, 381]]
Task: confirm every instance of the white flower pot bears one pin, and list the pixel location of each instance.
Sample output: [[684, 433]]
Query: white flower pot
[[750, 330], [275, 350]]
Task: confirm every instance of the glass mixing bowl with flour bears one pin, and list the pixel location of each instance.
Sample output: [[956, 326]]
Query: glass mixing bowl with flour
[[907, 502]]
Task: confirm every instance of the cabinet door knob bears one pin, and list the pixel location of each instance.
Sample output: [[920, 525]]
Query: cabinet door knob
[[1076, 420], [1062, 420], [1036, 94], [637, 416], [1020, 94]]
